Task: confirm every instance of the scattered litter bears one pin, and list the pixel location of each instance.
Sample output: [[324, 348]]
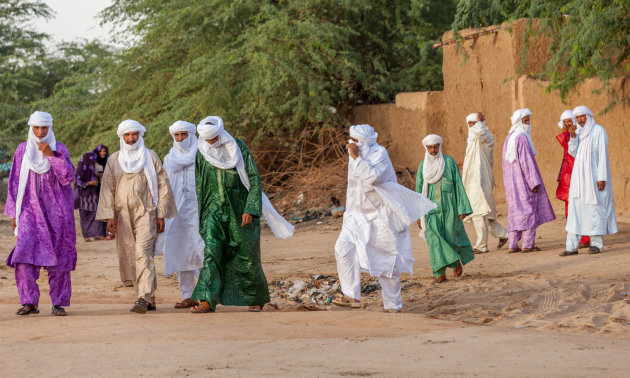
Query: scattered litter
[[337, 212]]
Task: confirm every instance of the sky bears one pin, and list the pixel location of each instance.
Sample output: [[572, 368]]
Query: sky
[[74, 19]]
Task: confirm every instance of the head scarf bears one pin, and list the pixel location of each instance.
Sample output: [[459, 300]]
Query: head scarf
[[33, 159], [99, 159], [475, 129], [226, 154], [584, 180], [567, 114], [135, 158], [518, 127], [432, 169], [183, 153], [366, 137], [472, 117]]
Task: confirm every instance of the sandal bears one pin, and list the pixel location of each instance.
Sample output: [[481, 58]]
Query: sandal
[[458, 270], [141, 306], [513, 250], [532, 249], [186, 303], [593, 251], [58, 311], [568, 253], [27, 309], [110, 236], [150, 307], [342, 303], [440, 279], [202, 308], [254, 308]]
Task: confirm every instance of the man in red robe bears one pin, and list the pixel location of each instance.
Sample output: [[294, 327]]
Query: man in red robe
[[569, 126]]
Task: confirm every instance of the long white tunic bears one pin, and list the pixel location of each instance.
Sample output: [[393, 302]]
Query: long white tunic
[[600, 218], [378, 212], [477, 174], [180, 242]]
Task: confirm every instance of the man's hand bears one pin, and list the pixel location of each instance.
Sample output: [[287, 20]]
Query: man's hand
[[13, 224], [45, 149], [93, 183], [159, 225], [601, 185], [111, 226], [353, 149], [247, 219], [419, 224], [462, 216], [480, 117], [572, 130], [535, 190]]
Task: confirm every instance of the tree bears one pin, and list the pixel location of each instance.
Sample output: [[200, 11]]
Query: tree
[[589, 38]]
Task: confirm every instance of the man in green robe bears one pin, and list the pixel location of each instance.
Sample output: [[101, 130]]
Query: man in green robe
[[438, 178], [230, 205]]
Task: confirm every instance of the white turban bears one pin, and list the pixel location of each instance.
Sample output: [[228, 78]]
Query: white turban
[[40, 119], [182, 154], [136, 157], [518, 127], [567, 114], [210, 127], [364, 133], [472, 117], [582, 110], [129, 126], [432, 169], [33, 159]]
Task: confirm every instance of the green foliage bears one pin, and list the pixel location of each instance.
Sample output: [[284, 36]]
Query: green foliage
[[589, 38]]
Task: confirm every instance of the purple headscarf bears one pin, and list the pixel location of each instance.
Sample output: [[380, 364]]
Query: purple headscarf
[[87, 195]]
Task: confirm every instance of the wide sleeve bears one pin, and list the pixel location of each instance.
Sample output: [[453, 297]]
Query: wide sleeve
[[61, 166], [574, 143], [463, 204], [371, 172], [253, 205], [14, 182], [563, 138], [107, 196], [419, 178], [527, 163], [602, 158], [166, 207]]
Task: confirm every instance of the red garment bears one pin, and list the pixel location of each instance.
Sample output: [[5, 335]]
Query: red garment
[[564, 177]]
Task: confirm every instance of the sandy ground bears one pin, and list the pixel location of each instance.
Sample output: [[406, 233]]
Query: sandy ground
[[509, 315]]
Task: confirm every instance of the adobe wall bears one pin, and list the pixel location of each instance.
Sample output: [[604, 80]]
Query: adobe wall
[[489, 81]]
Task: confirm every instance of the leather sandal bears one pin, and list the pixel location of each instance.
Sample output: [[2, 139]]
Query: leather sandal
[[513, 250], [458, 270], [202, 308], [27, 309], [440, 279], [58, 311], [568, 253], [502, 242], [593, 250], [186, 303]]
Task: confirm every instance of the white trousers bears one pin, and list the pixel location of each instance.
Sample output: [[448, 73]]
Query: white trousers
[[349, 270], [573, 241], [187, 282], [482, 226]]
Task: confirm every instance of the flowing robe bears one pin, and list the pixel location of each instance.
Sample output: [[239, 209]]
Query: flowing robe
[[47, 234], [86, 200], [596, 219], [564, 177], [382, 243], [526, 210], [232, 271], [445, 233], [180, 242], [477, 174], [126, 197]]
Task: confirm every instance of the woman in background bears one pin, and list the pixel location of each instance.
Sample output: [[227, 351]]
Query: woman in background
[[88, 184]]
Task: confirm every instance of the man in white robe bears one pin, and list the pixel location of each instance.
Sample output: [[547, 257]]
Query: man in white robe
[[375, 237], [591, 202], [479, 183], [180, 242]]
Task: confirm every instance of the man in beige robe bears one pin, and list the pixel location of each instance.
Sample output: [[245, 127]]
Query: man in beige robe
[[479, 183], [135, 198]]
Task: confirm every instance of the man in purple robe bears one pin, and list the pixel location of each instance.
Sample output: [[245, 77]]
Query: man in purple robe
[[40, 202], [525, 194]]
